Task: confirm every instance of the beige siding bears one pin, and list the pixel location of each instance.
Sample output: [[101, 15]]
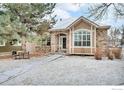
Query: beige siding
[[52, 42], [82, 25], [67, 43], [93, 37], [83, 51], [98, 40], [70, 35]]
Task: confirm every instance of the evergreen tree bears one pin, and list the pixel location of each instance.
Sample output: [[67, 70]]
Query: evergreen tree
[[19, 20]]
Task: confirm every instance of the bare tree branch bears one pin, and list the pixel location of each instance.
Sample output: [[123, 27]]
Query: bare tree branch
[[100, 10]]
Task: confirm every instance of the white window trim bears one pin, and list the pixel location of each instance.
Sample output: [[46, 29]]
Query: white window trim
[[72, 39], [3, 44], [95, 39], [61, 44], [70, 44], [91, 38], [82, 46]]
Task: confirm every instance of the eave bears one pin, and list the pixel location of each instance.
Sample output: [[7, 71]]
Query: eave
[[103, 27], [64, 29]]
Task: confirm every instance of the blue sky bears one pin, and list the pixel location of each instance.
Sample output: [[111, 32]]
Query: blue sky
[[67, 10]]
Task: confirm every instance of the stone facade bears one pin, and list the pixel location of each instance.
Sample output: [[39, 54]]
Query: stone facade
[[101, 40]]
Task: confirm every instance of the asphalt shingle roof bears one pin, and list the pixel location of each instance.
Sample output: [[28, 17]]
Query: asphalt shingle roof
[[62, 24]]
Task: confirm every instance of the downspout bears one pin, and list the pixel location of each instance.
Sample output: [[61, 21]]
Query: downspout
[[91, 38], [70, 40]]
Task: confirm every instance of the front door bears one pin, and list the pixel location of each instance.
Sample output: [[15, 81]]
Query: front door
[[62, 42]]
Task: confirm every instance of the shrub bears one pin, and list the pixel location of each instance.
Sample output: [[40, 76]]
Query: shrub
[[110, 55], [98, 54], [117, 53]]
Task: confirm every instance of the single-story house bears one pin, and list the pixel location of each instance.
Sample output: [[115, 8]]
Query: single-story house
[[17, 46], [78, 36], [8, 46]]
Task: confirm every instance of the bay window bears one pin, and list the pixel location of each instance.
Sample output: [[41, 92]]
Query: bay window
[[82, 38]]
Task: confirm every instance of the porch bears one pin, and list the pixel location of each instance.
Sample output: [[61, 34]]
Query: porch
[[59, 42], [63, 42]]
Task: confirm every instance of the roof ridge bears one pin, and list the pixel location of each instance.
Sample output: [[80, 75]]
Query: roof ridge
[[66, 23]]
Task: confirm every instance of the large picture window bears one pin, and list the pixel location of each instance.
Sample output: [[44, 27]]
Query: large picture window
[[82, 38]]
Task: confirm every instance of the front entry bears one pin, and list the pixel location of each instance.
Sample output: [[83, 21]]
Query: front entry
[[62, 44]]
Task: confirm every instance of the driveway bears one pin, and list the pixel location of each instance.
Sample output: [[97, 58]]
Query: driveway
[[70, 70]]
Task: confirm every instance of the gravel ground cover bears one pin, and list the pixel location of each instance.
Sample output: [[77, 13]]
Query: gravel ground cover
[[8, 64], [72, 70]]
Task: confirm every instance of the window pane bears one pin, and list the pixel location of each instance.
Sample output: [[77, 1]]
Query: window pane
[[80, 37], [77, 43], [76, 37], [84, 37], [88, 37], [84, 32], [84, 43], [88, 43], [79, 32], [88, 32]]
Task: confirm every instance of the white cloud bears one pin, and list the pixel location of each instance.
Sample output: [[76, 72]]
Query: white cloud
[[61, 13], [69, 7], [62, 10]]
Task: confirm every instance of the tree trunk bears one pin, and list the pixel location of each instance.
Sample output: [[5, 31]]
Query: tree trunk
[[23, 43]]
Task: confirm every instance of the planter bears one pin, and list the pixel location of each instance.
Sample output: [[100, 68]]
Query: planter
[[98, 54]]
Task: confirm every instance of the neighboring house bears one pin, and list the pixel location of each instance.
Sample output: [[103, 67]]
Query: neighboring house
[[17, 46], [8, 47], [78, 36]]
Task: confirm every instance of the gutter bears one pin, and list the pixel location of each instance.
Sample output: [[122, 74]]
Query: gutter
[[51, 30], [103, 27]]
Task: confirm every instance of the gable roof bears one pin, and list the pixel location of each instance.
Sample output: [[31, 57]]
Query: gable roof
[[64, 23], [67, 23]]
